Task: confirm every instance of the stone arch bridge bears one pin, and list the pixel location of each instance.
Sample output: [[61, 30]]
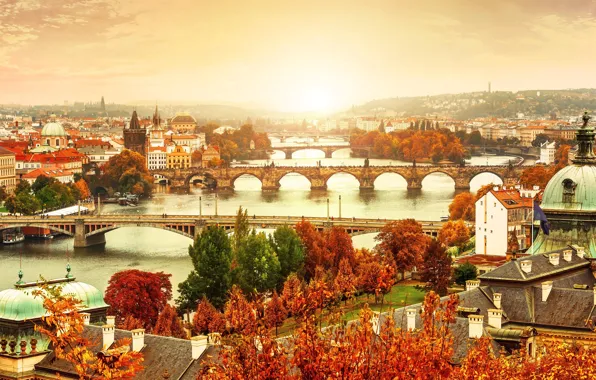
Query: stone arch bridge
[[270, 176], [327, 149], [90, 230]]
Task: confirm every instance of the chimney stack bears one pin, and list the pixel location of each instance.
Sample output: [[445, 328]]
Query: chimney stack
[[472, 284], [553, 258], [497, 300], [86, 318], [376, 322], [108, 336], [411, 319], [580, 252], [199, 345], [138, 339], [475, 325], [547, 286], [494, 318], [111, 320], [567, 255], [526, 266]]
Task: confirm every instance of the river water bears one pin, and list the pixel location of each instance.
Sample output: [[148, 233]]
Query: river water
[[156, 250]]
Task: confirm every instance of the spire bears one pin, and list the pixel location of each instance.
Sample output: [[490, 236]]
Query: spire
[[134, 121], [156, 118], [585, 144]]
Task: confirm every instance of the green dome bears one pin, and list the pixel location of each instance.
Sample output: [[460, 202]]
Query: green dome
[[53, 130], [571, 188], [20, 304]]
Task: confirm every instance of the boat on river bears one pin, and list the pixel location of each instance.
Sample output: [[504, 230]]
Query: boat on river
[[13, 237]]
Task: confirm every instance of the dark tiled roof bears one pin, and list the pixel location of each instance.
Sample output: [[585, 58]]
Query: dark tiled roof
[[541, 267], [563, 307], [159, 353]]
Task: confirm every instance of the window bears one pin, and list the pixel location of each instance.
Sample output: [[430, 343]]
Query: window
[[568, 190]]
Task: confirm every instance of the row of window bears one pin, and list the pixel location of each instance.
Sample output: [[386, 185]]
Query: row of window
[[6, 161]]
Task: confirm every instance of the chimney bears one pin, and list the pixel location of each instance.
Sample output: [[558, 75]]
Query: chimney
[[199, 345], [475, 325], [108, 336], [138, 339], [411, 319], [536, 188], [494, 318], [553, 258], [580, 252], [214, 338], [86, 318], [495, 188], [547, 286], [472, 284], [497, 300], [111, 320], [595, 295], [526, 266], [567, 255]]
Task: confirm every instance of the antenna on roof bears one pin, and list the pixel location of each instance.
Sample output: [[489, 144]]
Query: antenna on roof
[[20, 269]]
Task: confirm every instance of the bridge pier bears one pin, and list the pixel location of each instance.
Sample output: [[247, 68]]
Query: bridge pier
[[225, 184], [318, 183], [82, 241], [414, 183], [366, 183], [270, 184], [328, 152], [462, 183]]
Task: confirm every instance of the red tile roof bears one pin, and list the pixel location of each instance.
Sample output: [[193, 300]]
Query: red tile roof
[[511, 199]]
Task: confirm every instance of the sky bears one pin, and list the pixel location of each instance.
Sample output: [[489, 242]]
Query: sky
[[295, 56]]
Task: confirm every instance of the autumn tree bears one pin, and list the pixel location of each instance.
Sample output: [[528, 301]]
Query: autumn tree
[[63, 327], [241, 229], [345, 281], [203, 315], [258, 267], [454, 233], [211, 256], [403, 242], [436, 268], [465, 272], [126, 172], [463, 207], [83, 188], [239, 315], [340, 247], [294, 295], [130, 323], [139, 294], [169, 324], [316, 252], [484, 189], [536, 176], [562, 157], [287, 245], [275, 312]]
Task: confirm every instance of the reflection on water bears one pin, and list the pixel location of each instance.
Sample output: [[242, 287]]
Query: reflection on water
[[158, 250]]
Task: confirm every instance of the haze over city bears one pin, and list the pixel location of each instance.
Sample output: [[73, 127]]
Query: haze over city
[[288, 56]]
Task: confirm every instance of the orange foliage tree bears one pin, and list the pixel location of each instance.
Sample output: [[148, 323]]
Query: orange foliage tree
[[436, 268], [63, 325], [275, 312], [536, 176], [462, 207], [207, 318], [169, 324], [454, 233], [403, 243], [84, 191]]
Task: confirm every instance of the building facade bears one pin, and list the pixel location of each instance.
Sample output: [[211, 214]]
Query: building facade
[[179, 158], [183, 123], [547, 153], [157, 158], [7, 169]]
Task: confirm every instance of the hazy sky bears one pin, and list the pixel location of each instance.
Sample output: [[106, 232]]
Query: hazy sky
[[289, 55]]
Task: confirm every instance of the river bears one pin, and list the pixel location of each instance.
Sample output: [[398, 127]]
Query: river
[[157, 250]]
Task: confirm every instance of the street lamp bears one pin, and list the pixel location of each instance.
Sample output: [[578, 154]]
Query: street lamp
[[327, 208], [216, 204], [340, 206], [200, 206]]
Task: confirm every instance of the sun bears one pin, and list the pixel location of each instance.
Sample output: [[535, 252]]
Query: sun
[[315, 99]]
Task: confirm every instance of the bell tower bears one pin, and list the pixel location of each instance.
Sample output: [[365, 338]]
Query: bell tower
[[135, 137]]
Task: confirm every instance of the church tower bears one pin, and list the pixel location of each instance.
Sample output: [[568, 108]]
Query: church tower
[[134, 136]]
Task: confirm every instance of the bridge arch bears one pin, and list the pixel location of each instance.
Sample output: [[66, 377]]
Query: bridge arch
[[290, 152], [389, 172], [293, 173], [491, 172], [245, 173], [188, 231], [195, 173], [49, 227], [441, 172], [326, 179]]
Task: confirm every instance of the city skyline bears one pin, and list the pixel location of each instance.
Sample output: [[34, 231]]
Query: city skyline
[[286, 56]]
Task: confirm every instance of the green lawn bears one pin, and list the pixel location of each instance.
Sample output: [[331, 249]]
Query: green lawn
[[399, 296], [3, 209]]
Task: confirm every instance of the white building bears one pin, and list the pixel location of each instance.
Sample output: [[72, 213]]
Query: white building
[[547, 152], [499, 214], [193, 141], [157, 157], [367, 124]]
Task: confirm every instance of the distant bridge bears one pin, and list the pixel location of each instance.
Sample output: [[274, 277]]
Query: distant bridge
[[316, 136], [318, 176], [90, 230], [327, 149]]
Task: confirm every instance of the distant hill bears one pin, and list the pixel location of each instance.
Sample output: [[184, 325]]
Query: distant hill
[[532, 103]]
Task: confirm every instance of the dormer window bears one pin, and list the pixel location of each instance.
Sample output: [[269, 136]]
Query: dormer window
[[568, 190]]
